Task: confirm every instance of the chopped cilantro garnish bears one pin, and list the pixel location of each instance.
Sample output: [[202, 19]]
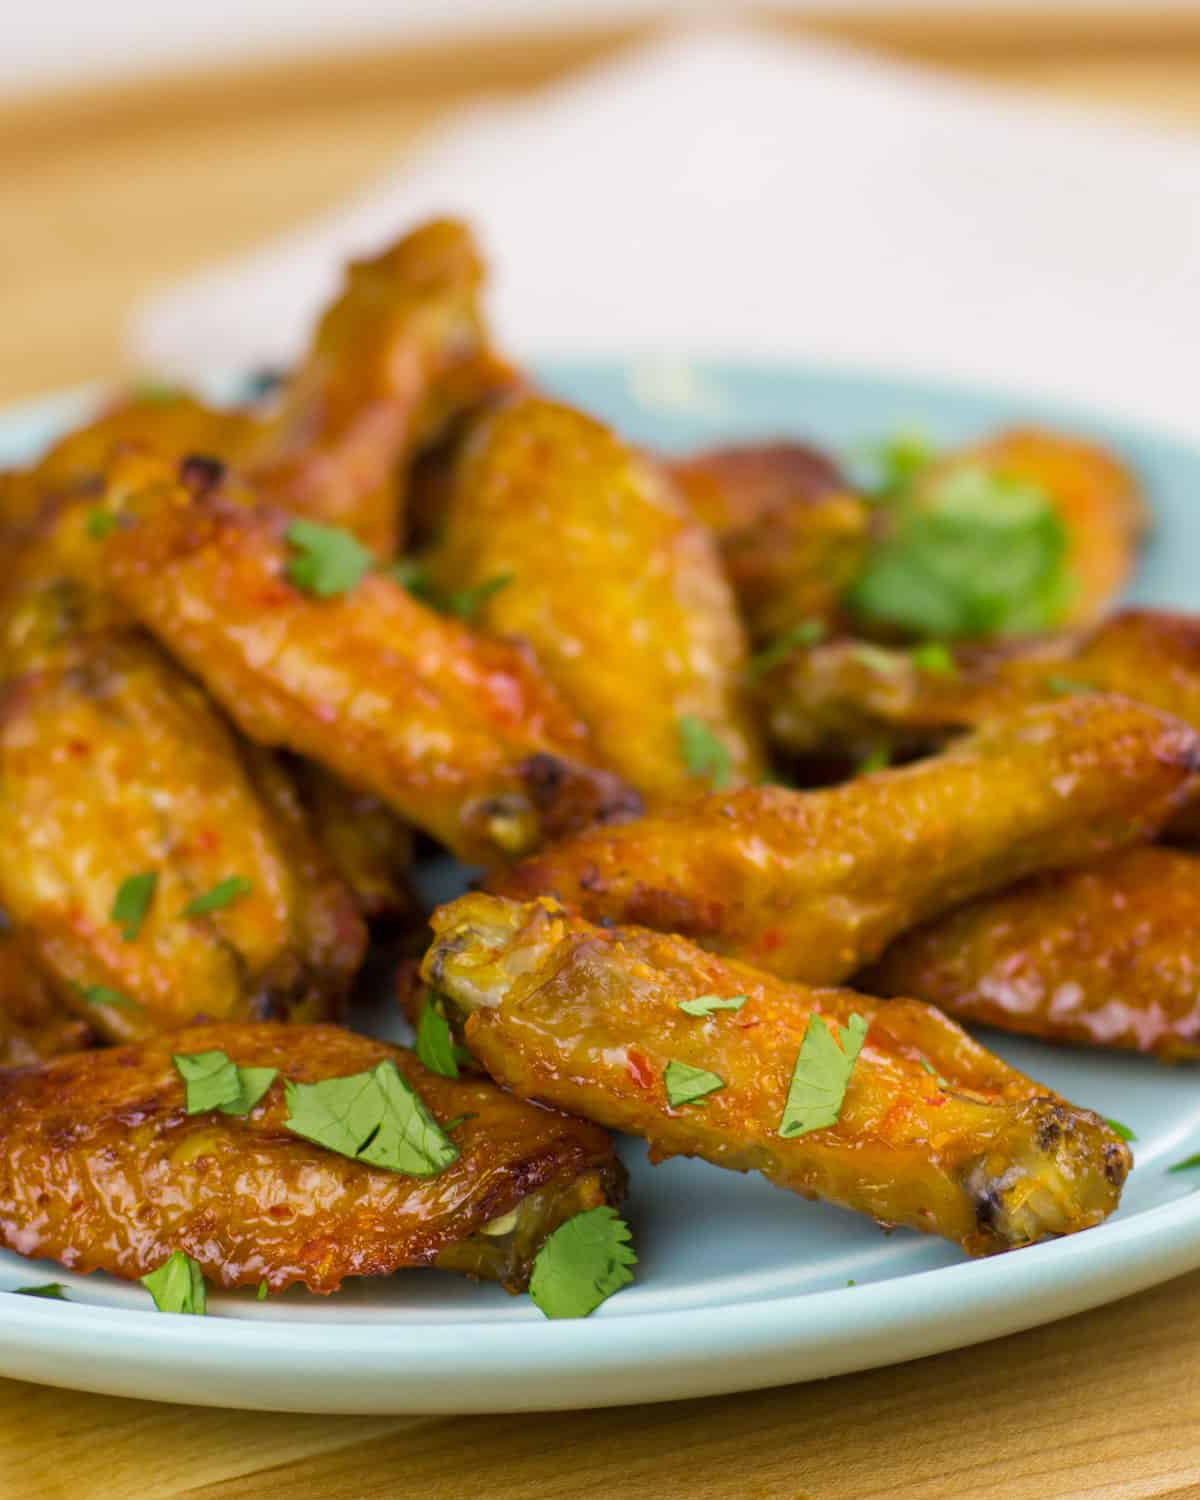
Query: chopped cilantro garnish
[[878, 658], [930, 1069], [806, 633], [878, 759], [933, 657], [329, 560], [821, 1074], [703, 753], [413, 576], [223, 894], [1122, 1130], [466, 603], [685, 1083], [1186, 1165], [132, 902], [582, 1263], [982, 554], [896, 462], [177, 1286], [374, 1117], [263, 1289], [100, 523], [435, 1046], [457, 1121], [214, 1081], [52, 1289], [704, 1005], [1065, 687], [100, 994]]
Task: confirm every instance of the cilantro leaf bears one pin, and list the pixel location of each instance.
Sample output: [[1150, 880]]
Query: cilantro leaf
[[878, 658], [53, 1289], [703, 753], [223, 894], [100, 523], [100, 994], [932, 1071], [582, 1263], [132, 902], [213, 1081], [1186, 1165], [806, 633], [897, 462], [1122, 1130], [982, 554], [435, 1046], [933, 657], [820, 1075], [878, 759], [457, 1121], [374, 1117], [177, 1286], [1066, 687], [330, 560], [685, 1083], [704, 1005], [466, 603], [413, 576], [263, 1289]]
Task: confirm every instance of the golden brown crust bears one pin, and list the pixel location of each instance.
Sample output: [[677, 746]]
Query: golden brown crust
[[1105, 955], [792, 535], [614, 585], [934, 1133], [34, 1023], [460, 735], [812, 885], [101, 1169]]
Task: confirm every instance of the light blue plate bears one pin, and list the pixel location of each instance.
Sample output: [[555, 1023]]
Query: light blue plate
[[739, 1286]]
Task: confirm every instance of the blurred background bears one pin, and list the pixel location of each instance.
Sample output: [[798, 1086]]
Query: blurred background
[[141, 143]]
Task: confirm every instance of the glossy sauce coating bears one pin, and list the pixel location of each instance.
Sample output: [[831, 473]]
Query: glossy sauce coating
[[933, 1132], [812, 885], [101, 1169], [34, 1023], [613, 583], [793, 537], [1105, 955], [458, 734]]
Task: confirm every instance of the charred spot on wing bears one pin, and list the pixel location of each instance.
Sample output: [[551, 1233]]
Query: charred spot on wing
[[1118, 1159], [1050, 1127], [200, 475], [568, 796]]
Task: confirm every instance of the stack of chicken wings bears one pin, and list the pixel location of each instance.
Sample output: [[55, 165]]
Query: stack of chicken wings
[[768, 776]]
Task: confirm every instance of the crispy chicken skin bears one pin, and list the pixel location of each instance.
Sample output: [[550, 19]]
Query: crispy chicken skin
[[1104, 955], [399, 354], [34, 1023], [458, 734], [792, 535], [1094, 493], [613, 583], [813, 885], [839, 697], [587, 1019], [101, 1169]]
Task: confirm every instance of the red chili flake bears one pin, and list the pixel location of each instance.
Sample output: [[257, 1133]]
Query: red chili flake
[[771, 939], [207, 840], [639, 1069], [747, 1025], [79, 747]]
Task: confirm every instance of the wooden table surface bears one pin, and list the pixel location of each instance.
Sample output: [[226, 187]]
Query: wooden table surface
[[107, 192]]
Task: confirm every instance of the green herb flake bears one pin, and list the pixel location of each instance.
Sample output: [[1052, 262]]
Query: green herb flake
[[806, 633], [685, 1084], [704, 1005], [821, 1074], [154, 392], [177, 1286], [213, 1081], [435, 1046], [374, 1117], [132, 902], [52, 1289], [877, 658], [703, 753], [223, 894], [932, 1071], [1188, 1164], [263, 1289], [1065, 687], [935, 658], [878, 759], [981, 554], [1122, 1130], [329, 560], [100, 523], [100, 994], [457, 1121], [414, 577], [466, 603], [582, 1264]]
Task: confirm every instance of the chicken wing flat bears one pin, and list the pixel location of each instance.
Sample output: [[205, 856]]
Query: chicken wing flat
[[579, 545], [1104, 955], [460, 735], [813, 885], [34, 1023], [102, 1169], [844, 696], [792, 535], [934, 1133], [395, 358]]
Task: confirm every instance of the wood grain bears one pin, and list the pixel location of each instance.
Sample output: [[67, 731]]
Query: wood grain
[[106, 192]]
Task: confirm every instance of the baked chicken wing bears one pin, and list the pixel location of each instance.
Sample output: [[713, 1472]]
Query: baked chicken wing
[[813, 885], [34, 1023], [458, 734], [933, 1132], [580, 546], [1105, 955], [102, 1169], [792, 535]]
